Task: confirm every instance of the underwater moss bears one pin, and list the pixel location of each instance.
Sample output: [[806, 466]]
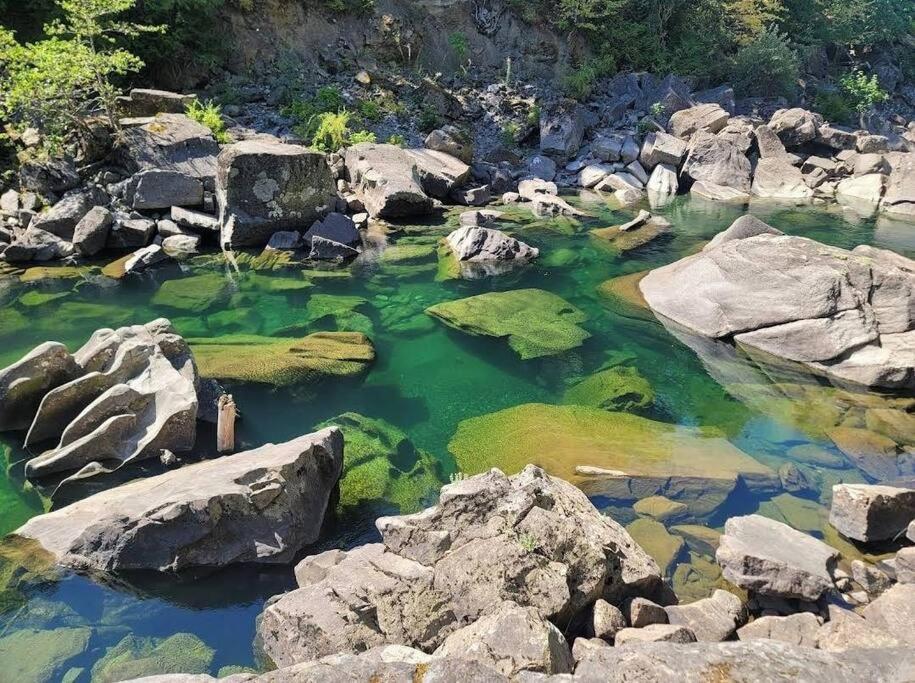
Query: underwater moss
[[41, 656], [381, 463], [34, 297], [12, 322], [535, 322], [616, 388], [283, 362], [654, 538], [561, 438], [408, 253], [40, 273], [194, 294], [136, 657]]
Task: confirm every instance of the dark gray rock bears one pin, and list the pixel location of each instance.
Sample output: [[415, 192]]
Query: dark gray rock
[[486, 244], [336, 227], [328, 250], [387, 181], [440, 174], [171, 142], [195, 221], [161, 189], [265, 187], [130, 233], [37, 245], [561, 130], [49, 178], [62, 218], [149, 102], [91, 233]]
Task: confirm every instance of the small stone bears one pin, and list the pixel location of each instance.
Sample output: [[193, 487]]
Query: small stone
[[643, 612], [607, 620], [655, 633]]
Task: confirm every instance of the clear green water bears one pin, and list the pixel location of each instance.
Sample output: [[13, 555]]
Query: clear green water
[[426, 380]]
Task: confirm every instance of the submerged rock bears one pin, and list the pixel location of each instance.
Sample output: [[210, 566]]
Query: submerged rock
[[544, 546], [771, 558], [135, 657], [41, 656], [260, 506], [535, 322], [283, 362], [631, 457], [615, 388]]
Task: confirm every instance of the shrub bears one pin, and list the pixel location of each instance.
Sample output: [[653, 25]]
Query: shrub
[[766, 66], [833, 105], [358, 136], [307, 113], [209, 114], [429, 119], [579, 83], [56, 84], [510, 132], [370, 110], [863, 91], [397, 139], [332, 131]]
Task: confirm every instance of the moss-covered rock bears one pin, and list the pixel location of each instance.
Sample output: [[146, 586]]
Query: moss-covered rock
[[535, 322], [135, 657], [618, 455], [381, 463], [40, 656], [12, 322], [408, 253], [699, 578], [23, 563], [615, 388], [194, 294], [660, 508], [663, 546], [45, 273], [259, 282], [35, 297], [283, 362], [623, 241]]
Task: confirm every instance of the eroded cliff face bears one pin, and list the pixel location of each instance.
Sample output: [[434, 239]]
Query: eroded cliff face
[[405, 32]]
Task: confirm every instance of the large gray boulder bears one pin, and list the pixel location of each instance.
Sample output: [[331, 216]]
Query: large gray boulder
[[171, 142], [894, 612], [846, 315], [452, 141], [125, 395], [531, 539], [36, 244], [440, 174], [91, 233], [661, 148], [481, 245], [511, 639], [561, 130], [776, 178], [714, 160], [795, 127], [708, 117], [796, 629], [771, 558], [261, 506], [387, 181], [266, 187], [162, 189], [847, 630], [62, 218], [869, 513]]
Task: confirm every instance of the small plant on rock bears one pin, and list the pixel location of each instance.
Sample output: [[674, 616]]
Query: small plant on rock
[[209, 114], [397, 139], [863, 91], [528, 542], [461, 49]]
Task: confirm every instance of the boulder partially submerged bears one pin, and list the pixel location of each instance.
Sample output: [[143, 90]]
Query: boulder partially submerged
[[260, 506], [871, 513], [843, 314]]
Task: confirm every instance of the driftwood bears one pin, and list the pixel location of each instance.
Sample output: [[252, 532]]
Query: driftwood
[[225, 424]]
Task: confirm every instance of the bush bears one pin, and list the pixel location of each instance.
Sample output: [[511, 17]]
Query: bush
[[767, 66], [397, 139], [307, 113], [863, 91], [57, 84], [370, 110], [833, 105], [333, 132], [429, 119], [579, 83], [361, 136], [209, 114]]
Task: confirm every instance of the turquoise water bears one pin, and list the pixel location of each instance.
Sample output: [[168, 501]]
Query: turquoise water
[[427, 379]]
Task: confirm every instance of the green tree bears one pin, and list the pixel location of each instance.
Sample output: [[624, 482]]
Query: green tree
[[58, 83], [767, 66]]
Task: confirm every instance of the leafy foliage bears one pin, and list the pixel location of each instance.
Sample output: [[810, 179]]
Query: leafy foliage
[[57, 84], [209, 114], [766, 66], [863, 91]]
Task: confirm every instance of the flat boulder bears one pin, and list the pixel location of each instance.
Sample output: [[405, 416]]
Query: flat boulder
[[795, 127], [795, 629], [530, 539], [259, 506], [440, 174], [708, 117], [771, 558], [870, 513], [894, 612], [899, 198], [171, 142], [386, 179], [161, 189], [266, 187], [843, 314]]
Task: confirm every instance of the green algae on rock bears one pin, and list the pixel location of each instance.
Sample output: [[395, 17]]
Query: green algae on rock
[[45, 273], [380, 463], [658, 542], [619, 456], [283, 362], [615, 388], [659, 508], [34, 297], [194, 294], [41, 656], [136, 657], [535, 322]]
